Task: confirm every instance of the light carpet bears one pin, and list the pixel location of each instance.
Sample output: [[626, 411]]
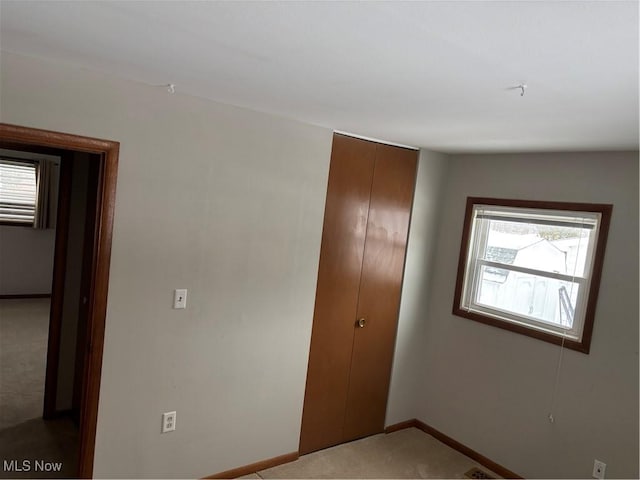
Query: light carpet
[[24, 330], [408, 453], [24, 436]]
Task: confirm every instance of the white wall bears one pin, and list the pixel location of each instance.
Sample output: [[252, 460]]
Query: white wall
[[226, 203], [26, 256], [490, 388], [431, 178]]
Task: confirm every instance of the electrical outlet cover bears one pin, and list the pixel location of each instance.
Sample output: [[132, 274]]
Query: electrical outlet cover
[[168, 422], [599, 469]]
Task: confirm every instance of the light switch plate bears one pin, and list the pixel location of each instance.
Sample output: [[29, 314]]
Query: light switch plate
[[180, 298]]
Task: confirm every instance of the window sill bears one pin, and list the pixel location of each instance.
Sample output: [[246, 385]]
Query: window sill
[[582, 346]]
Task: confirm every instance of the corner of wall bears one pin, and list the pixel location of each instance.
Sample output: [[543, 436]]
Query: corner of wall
[[425, 217]]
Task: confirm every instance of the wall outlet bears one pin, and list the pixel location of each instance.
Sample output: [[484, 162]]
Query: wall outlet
[[598, 469], [168, 422], [180, 298]]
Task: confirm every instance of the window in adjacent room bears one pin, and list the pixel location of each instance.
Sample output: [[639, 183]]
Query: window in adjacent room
[[18, 191], [533, 267], [28, 189]]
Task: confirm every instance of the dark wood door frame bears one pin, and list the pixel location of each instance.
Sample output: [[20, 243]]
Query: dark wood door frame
[[57, 288], [86, 283], [19, 137]]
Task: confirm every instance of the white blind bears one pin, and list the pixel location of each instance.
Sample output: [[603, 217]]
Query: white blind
[[17, 191]]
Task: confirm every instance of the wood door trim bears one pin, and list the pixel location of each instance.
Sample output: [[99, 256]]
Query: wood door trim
[[256, 467], [108, 151], [57, 288], [86, 283], [447, 440]]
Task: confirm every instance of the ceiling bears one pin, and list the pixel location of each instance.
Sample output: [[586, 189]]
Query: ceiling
[[428, 74]]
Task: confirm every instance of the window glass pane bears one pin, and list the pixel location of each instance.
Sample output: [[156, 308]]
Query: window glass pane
[[17, 191], [549, 248], [544, 299]]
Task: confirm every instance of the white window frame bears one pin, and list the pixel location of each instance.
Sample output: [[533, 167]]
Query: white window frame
[[479, 212]]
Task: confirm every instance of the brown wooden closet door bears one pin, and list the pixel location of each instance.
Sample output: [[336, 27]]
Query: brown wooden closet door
[[339, 272], [360, 274], [380, 288]]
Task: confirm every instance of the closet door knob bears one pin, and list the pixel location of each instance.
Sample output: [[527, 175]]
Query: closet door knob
[[361, 323]]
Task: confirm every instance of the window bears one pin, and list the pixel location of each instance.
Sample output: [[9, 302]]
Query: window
[[532, 267], [18, 191]]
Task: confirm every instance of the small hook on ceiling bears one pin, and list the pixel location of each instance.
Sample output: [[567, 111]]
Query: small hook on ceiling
[[522, 87]]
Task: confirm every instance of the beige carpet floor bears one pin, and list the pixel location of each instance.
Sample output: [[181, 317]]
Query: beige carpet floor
[[51, 441], [408, 453], [24, 436], [24, 330]]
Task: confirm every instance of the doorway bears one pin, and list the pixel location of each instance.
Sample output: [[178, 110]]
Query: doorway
[[98, 160]]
